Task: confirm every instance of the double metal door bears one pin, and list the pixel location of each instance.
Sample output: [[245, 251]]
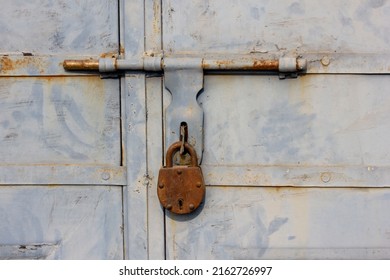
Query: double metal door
[[294, 167]]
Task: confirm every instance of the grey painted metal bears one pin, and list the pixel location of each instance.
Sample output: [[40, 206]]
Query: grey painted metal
[[324, 135], [134, 116], [61, 222], [135, 195], [60, 120], [184, 80], [61, 130], [317, 63], [271, 27], [51, 174], [71, 27], [272, 132], [284, 223], [298, 176], [154, 132], [319, 133]]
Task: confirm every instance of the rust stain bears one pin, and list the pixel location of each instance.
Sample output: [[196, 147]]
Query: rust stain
[[224, 63], [156, 17], [110, 54], [121, 50], [231, 64], [81, 65], [8, 64], [267, 65]]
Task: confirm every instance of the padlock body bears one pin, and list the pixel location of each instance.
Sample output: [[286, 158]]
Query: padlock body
[[181, 189]]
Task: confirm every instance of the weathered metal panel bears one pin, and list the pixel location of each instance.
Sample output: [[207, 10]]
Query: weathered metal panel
[[135, 193], [156, 227], [73, 222], [284, 223], [59, 120], [324, 135], [274, 26], [154, 132], [290, 132], [87, 27], [52, 174], [323, 31], [57, 131]]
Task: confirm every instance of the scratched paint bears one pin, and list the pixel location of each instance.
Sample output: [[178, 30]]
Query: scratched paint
[[60, 120], [274, 27], [44, 222], [283, 223], [312, 121], [58, 27], [324, 135]]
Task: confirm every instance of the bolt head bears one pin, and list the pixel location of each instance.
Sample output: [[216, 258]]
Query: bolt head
[[191, 206], [179, 172], [169, 206], [106, 176], [198, 184], [326, 177], [161, 185], [325, 61]]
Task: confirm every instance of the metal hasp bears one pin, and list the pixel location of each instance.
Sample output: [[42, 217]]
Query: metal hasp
[[181, 189], [183, 78]]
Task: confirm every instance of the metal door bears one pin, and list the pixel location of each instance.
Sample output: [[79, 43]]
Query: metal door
[[294, 168], [61, 170]]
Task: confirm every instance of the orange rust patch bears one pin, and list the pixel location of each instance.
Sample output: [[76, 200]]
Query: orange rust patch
[[266, 65], [109, 55], [121, 50], [156, 17], [8, 64]]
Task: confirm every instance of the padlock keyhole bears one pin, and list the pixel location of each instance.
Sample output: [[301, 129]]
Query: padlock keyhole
[[180, 201]]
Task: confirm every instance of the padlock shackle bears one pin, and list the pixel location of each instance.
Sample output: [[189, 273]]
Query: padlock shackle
[[175, 147]]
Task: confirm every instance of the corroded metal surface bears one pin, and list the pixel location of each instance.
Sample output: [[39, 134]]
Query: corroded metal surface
[[283, 223], [323, 135], [181, 189], [81, 65], [60, 133]]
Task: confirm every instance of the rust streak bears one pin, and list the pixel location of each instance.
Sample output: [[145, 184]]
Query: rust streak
[[8, 64], [265, 65], [257, 65], [109, 55]]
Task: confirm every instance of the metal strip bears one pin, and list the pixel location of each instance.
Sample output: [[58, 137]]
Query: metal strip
[[62, 175], [296, 176], [184, 80], [317, 63], [19, 65]]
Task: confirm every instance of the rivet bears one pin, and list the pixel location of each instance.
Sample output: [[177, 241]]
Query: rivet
[[105, 176], [169, 206], [191, 206], [325, 177], [199, 184], [161, 185], [179, 172], [325, 61]]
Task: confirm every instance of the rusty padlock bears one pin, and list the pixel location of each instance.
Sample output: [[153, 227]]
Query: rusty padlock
[[181, 189]]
